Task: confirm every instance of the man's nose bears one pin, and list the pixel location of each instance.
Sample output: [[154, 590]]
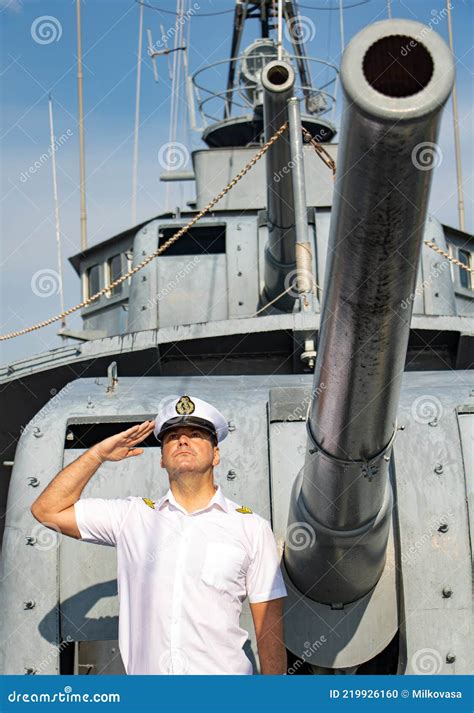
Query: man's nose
[[183, 439]]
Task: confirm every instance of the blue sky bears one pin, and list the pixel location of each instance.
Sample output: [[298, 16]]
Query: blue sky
[[30, 70]]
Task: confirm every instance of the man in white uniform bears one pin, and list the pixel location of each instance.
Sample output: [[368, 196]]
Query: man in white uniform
[[186, 562]]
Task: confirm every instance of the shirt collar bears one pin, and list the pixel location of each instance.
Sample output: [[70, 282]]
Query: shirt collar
[[217, 499]]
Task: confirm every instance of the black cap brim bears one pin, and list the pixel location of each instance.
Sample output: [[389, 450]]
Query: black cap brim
[[186, 421]]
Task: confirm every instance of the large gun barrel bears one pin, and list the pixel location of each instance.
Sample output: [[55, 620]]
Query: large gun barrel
[[278, 79], [396, 76]]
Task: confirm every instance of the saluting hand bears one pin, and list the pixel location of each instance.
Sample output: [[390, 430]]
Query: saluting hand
[[122, 445]]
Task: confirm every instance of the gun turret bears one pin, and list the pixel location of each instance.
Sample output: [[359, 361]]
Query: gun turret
[[396, 76]]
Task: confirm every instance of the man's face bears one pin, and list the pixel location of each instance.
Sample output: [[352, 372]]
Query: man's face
[[188, 449]]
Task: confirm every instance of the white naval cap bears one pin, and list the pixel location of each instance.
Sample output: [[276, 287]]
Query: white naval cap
[[186, 410]]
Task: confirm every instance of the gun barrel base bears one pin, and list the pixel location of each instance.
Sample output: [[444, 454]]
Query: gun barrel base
[[356, 556]]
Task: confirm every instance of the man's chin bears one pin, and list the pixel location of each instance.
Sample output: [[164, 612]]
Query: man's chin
[[183, 468]]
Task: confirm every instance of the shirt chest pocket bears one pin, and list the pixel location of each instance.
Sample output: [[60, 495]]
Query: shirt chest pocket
[[222, 566]]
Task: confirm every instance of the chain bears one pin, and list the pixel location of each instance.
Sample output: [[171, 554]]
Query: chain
[[320, 150], [159, 251], [323, 155]]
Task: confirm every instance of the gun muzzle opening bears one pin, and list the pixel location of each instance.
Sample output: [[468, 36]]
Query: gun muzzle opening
[[278, 78], [398, 66], [278, 75]]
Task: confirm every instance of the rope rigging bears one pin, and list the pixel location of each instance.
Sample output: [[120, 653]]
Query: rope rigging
[[321, 153]]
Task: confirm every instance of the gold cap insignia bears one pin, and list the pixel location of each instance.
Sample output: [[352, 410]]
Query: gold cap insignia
[[185, 407], [150, 503], [244, 510]]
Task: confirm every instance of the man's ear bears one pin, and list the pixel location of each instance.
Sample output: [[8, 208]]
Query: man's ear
[[217, 456], [161, 460]]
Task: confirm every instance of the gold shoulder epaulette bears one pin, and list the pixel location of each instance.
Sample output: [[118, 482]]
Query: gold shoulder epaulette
[[244, 510], [150, 503]]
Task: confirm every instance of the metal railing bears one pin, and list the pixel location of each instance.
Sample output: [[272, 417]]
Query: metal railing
[[205, 96]]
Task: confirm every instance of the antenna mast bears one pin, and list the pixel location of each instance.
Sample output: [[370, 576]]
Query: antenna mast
[[82, 179], [137, 118], [457, 141], [56, 207]]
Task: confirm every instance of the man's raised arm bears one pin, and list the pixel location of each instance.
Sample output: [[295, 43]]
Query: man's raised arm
[[54, 508]]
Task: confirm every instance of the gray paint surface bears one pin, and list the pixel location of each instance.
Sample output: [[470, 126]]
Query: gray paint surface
[[70, 569]]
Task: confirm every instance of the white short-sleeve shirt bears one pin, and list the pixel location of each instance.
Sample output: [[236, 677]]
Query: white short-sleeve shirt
[[182, 578]]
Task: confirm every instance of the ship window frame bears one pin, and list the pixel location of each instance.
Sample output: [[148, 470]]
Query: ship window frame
[[88, 291], [118, 290], [463, 273], [454, 249], [205, 239]]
